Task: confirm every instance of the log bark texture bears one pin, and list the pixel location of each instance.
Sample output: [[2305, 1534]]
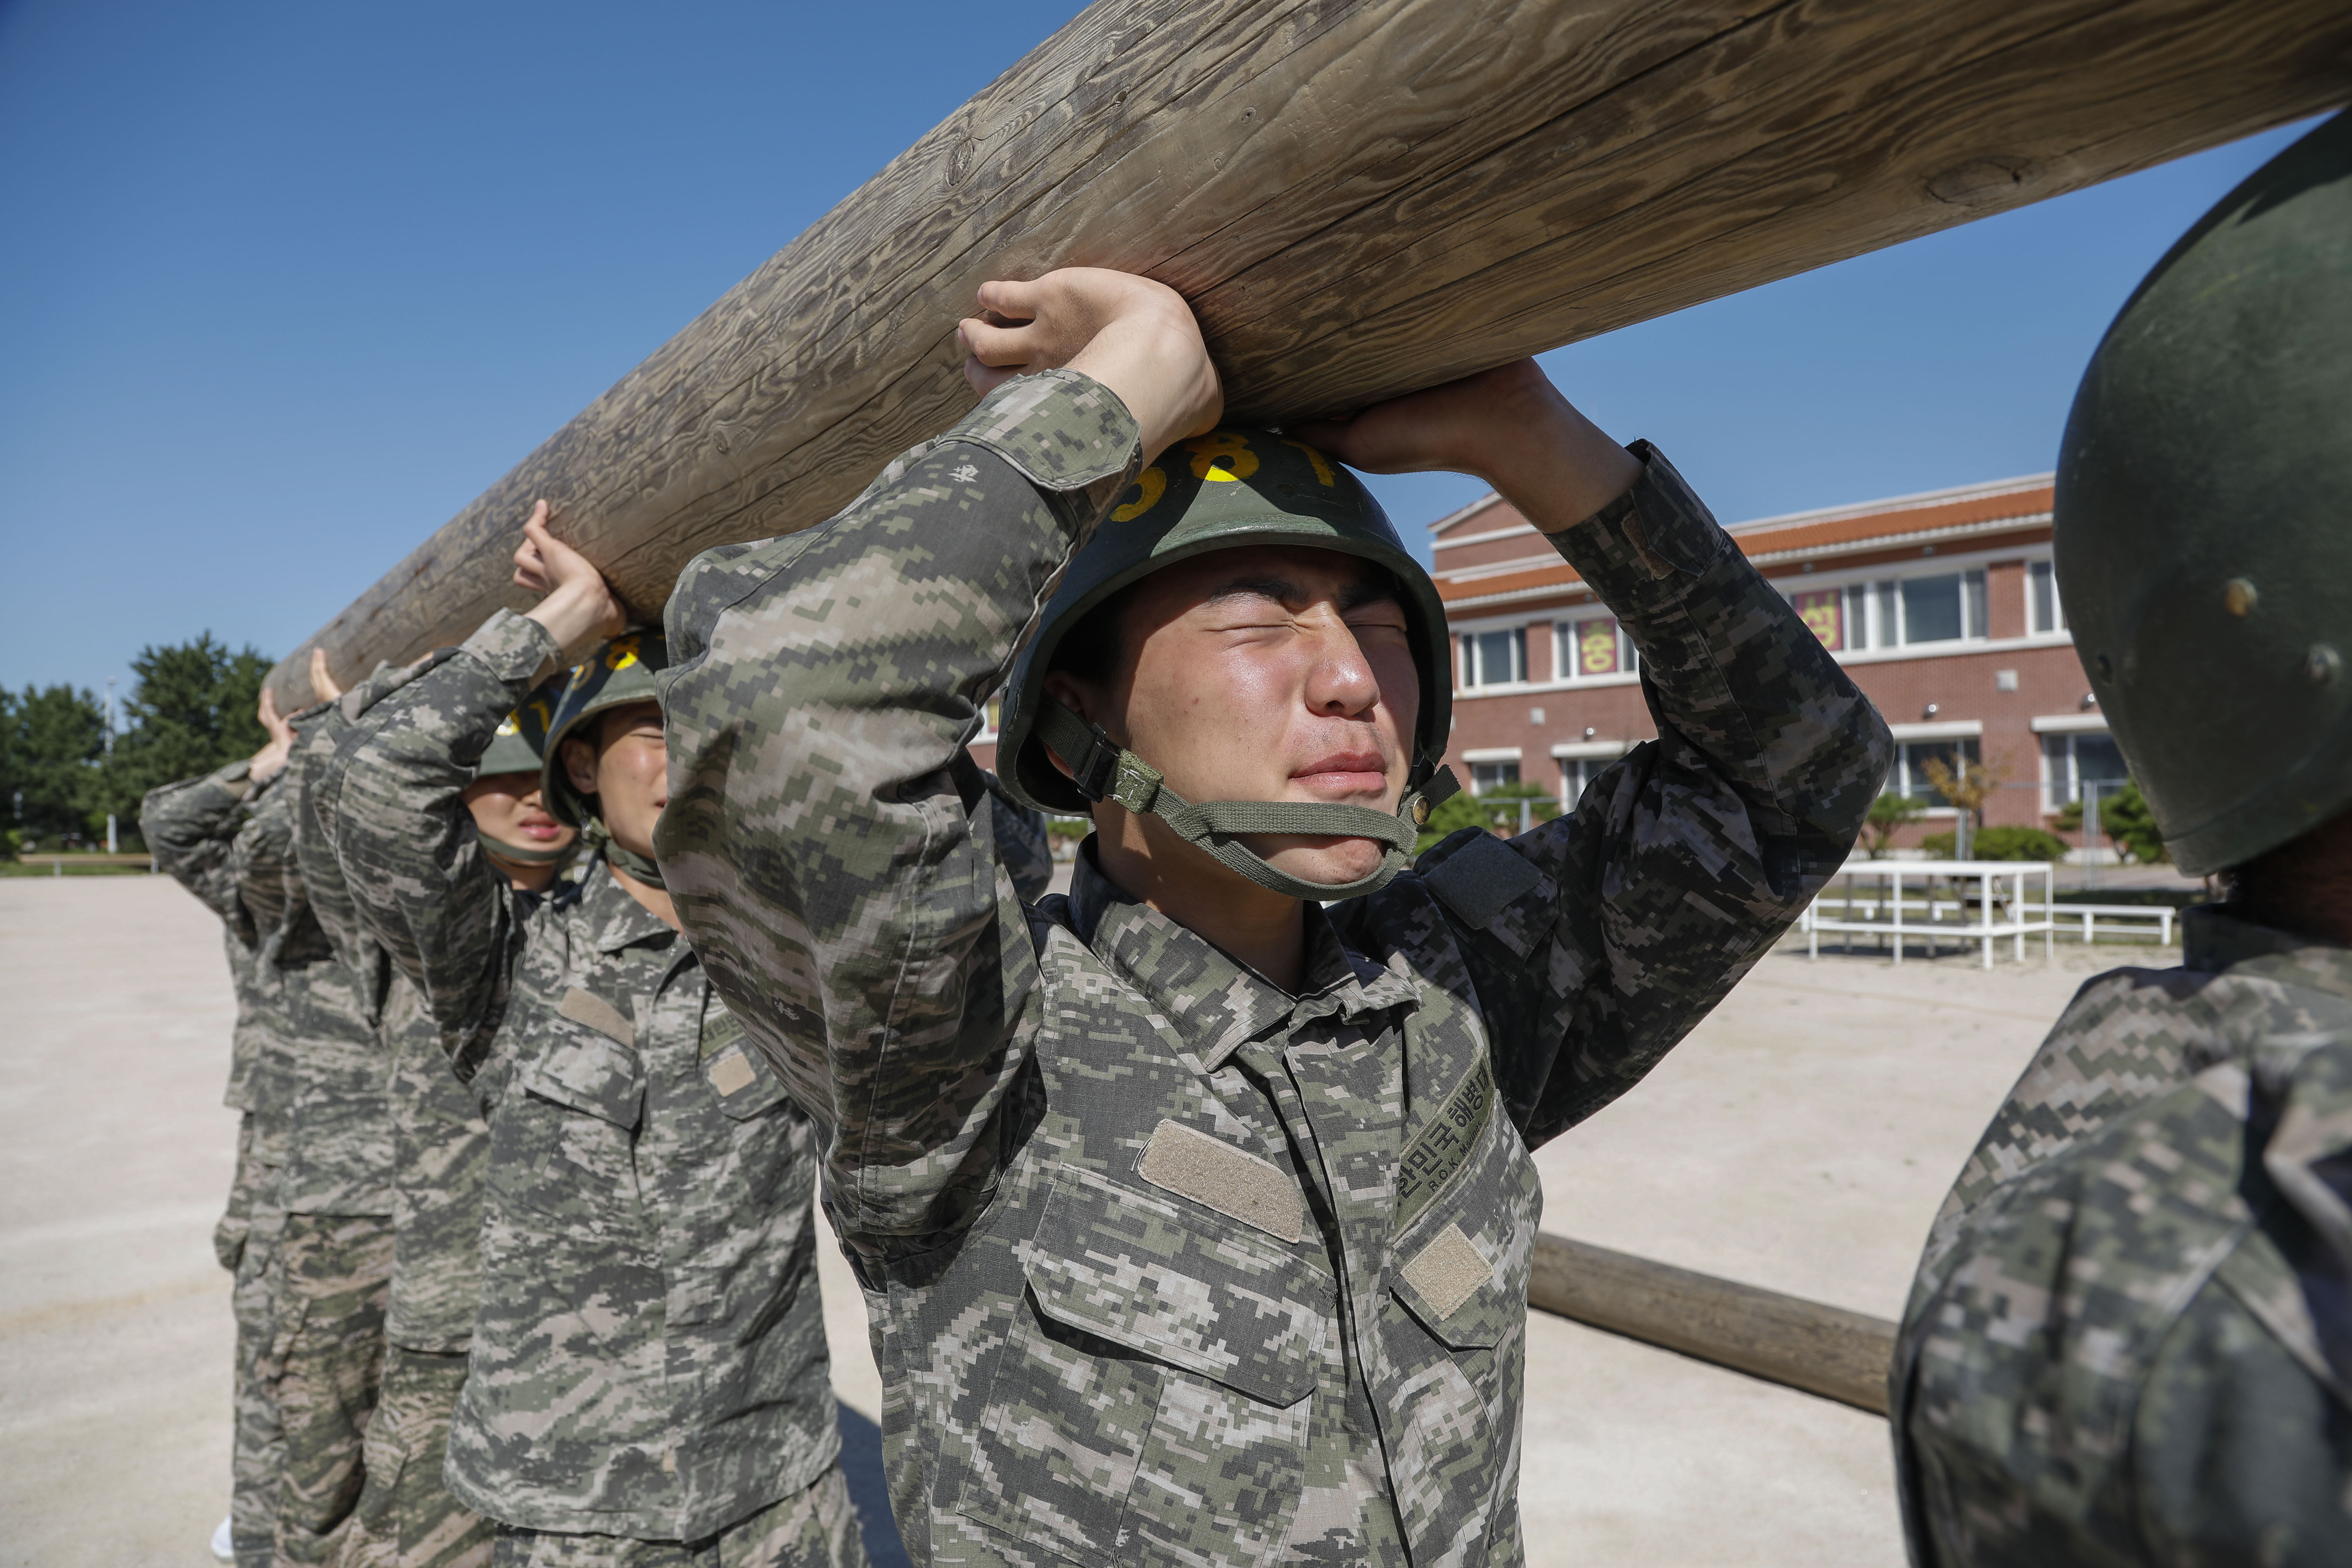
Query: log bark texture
[[1361, 197], [1822, 1349]]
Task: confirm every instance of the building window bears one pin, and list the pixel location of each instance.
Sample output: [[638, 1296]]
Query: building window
[[1593, 648], [1948, 606], [1910, 774], [2070, 761], [2044, 612], [1576, 776], [1494, 658], [1485, 776]]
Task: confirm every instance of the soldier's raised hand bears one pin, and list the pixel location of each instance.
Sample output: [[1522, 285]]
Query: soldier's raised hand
[[323, 688], [579, 609], [1135, 336], [270, 760]]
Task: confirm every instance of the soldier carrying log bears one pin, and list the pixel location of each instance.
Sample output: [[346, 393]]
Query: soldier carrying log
[[314, 1265], [2130, 1339], [1193, 1219]]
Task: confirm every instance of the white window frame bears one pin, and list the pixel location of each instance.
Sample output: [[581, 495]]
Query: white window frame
[[1467, 661], [2043, 568], [1563, 650]]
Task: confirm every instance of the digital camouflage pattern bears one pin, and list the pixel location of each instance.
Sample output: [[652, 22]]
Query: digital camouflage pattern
[[648, 1357], [207, 833], [818, 1529], [1164, 1265], [405, 1517], [327, 1365], [2130, 1339]]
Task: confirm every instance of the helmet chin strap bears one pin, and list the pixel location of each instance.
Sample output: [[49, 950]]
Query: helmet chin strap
[[1104, 770], [600, 841], [520, 854]]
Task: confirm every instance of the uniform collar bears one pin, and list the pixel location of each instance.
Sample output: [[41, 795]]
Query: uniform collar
[[618, 919], [2213, 940], [1212, 1001]]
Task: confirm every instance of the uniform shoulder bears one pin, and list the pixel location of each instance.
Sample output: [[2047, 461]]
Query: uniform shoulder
[[2129, 1035]]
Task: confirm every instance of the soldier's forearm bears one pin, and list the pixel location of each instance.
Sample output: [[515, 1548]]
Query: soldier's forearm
[[1731, 668], [391, 799]]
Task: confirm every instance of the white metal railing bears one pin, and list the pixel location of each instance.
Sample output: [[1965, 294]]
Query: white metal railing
[[2135, 920], [1993, 879]]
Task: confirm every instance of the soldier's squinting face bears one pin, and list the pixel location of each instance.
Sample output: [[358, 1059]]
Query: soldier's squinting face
[[1264, 673], [627, 768], [507, 808]]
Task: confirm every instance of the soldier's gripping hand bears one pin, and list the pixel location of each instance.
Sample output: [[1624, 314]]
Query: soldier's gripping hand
[[579, 609], [323, 687], [270, 760], [1136, 337], [1508, 425]]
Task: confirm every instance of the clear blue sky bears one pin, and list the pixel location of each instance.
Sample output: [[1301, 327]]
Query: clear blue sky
[[282, 286]]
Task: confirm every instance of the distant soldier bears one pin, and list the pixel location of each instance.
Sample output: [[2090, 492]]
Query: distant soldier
[[2130, 1340], [647, 1384], [1194, 1222], [192, 828], [318, 1308], [407, 1517]]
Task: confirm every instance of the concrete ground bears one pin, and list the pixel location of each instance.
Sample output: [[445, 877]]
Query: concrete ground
[[1801, 1139]]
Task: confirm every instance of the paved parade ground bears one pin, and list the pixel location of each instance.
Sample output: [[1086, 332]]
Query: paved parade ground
[[1801, 1140]]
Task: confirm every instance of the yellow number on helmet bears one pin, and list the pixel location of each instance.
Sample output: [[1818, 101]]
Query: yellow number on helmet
[[622, 654], [1223, 456], [1323, 474], [1150, 485]]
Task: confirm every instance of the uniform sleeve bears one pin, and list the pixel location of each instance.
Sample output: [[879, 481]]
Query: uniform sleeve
[[389, 798], [1597, 940], [323, 880], [832, 850], [1022, 843], [191, 828]]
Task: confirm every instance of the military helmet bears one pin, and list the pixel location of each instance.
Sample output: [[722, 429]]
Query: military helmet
[[621, 671], [519, 745], [2204, 515], [1227, 489]]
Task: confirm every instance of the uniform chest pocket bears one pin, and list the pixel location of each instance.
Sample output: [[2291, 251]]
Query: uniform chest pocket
[[1155, 1386], [742, 1080], [1461, 1260], [565, 1145]]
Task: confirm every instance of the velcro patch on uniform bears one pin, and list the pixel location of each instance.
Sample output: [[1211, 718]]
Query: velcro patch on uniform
[[1481, 880], [587, 1007], [731, 1072], [1442, 1147], [1448, 1272], [1233, 1181]]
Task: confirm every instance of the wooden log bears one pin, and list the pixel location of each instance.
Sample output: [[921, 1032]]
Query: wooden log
[[1360, 197], [1822, 1349]]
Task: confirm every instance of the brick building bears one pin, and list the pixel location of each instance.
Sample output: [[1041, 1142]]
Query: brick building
[[1942, 607]]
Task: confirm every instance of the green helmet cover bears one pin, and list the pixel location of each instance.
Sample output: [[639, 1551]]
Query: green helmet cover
[[622, 671], [519, 745], [1229, 490], [2203, 518]]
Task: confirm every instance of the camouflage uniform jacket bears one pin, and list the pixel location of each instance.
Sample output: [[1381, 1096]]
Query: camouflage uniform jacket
[[1165, 1265], [191, 826], [311, 1063], [2130, 1340], [648, 1358], [439, 1140]]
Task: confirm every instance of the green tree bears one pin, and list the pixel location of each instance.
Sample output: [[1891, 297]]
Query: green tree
[[50, 742], [2124, 821], [1498, 811], [190, 711], [1888, 813]]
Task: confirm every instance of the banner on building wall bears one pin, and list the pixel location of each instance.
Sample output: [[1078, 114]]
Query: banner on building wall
[[1824, 614], [1596, 646]]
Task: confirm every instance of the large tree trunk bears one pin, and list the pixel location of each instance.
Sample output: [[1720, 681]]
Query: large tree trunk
[[1361, 199]]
